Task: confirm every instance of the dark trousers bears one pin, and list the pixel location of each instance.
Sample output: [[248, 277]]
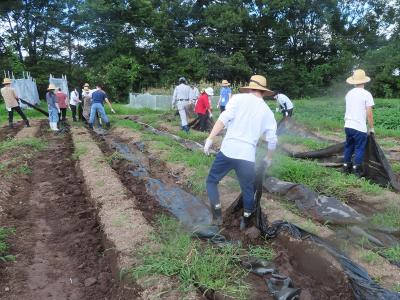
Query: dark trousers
[[63, 114], [355, 144], [289, 111], [222, 108], [80, 111], [19, 111], [203, 121], [73, 109], [245, 172]]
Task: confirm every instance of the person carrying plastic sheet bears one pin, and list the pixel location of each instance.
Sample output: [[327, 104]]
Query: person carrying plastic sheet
[[225, 95], [74, 100], [246, 117], [203, 108], [180, 99], [12, 104], [285, 105], [53, 107], [98, 99], [359, 104], [62, 100]]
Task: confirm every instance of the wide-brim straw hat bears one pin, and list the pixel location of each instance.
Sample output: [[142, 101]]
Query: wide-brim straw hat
[[209, 91], [225, 83], [86, 86], [51, 87], [359, 77], [6, 81], [257, 82]]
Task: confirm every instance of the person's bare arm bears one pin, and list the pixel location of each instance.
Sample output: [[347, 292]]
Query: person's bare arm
[[370, 117], [218, 126], [109, 105]]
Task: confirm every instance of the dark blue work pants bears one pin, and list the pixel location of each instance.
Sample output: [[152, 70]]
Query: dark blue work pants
[[355, 144]]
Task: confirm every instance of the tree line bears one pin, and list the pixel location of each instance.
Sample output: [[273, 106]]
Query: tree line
[[304, 47]]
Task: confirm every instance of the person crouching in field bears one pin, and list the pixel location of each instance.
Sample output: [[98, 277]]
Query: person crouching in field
[[98, 99], [52, 106], [12, 104], [247, 118], [285, 105], [359, 104], [203, 108]]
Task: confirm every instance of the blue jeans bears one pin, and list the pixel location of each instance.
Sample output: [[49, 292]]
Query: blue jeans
[[245, 171], [97, 107], [53, 115], [355, 143]]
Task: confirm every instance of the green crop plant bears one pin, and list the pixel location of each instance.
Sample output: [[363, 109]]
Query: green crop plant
[[4, 248]]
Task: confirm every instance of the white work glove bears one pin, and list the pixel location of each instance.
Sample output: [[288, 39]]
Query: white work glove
[[112, 110], [210, 115], [277, 109], [207, 146], [59, 111], [286, 114], [372, 130]]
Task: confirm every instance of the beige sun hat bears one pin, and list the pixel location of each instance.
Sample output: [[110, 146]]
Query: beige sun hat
[[225, 83], [6, 81], [359, 77], [51, 87], [257, 82]]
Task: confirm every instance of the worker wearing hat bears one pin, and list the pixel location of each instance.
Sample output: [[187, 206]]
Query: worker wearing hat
[[225, 95], [53, 107], [246, 117], [359, 104], [180, 100], [11, 101], [203, 107]]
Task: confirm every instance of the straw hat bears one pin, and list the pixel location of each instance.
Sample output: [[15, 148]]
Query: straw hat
[[257, 82], [51, 87], [6, 81], [86, 86], [209, 91], [225, 83], [359, 77]]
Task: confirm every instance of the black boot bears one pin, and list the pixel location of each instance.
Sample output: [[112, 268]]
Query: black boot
[[10, 125], [91, 125], [108, 125], [217, 214], [357, 170], [245, 220], [27, 123], [347, 168]]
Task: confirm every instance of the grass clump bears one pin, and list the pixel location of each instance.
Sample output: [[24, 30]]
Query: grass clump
[[4, 255], [208, 268], [369, 256], [392, 253], [35, 144], [265, 253], [389, 218], [309, 173], [309, 143]]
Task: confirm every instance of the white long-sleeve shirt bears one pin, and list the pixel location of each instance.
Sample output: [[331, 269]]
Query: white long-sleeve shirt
[[74, 97], [181, 92], [247, 118], [282, 100]]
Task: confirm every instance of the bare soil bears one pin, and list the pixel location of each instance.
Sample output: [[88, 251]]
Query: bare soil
[[58, 242]]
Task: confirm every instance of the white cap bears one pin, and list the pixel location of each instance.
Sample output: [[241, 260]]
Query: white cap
[[209, 91]]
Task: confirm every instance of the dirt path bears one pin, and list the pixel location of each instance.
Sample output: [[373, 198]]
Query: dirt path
[[58, 241]]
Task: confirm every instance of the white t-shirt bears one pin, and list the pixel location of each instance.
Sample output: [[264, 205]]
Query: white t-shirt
[[357, 101], [247, 118], [74, 98], [282, 100]]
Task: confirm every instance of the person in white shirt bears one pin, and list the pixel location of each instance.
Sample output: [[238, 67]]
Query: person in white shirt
[[73, 102], [247, 117], [359, 104], [194, 94], [180, 100], [285, 105]]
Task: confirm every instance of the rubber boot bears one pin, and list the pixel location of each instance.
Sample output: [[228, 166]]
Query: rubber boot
[[185, 128], [27, 123], [357, 170], [217, 214], [347, 168], [53, 126], [108, 125], [245, 220], [91, 125], [10, 125]]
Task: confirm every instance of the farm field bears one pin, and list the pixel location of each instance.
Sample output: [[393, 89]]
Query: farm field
[[94, 215]]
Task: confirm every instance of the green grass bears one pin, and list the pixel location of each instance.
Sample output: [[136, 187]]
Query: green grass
[[195, 265], [388, 219], [309, 143], [396, 287], [369, 256], [396, 167], [78, 151], [309, 173], [392, 253], [4, 247], [265, 253], [35, 144]]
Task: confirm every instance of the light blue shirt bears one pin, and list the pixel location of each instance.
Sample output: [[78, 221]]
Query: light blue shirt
[[225, 91]]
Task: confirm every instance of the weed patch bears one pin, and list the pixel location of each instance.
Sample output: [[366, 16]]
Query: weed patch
[[310, 143], [392, 254], [208, 268], [4, 255], [35, 144], [369, 256], [265, 253], [389, 219]]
